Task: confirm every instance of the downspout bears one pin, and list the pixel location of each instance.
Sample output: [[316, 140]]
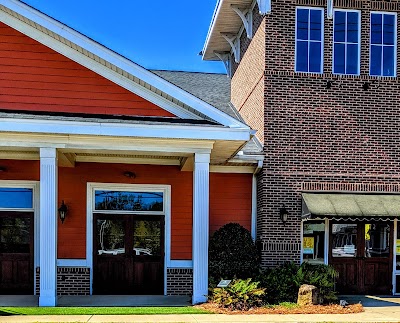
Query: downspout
[[254, 200]]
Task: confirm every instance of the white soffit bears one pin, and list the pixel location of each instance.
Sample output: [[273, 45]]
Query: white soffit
[[224, 21], [109, 64]]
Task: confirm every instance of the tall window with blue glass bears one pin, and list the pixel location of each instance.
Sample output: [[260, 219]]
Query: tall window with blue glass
[[309, 40]]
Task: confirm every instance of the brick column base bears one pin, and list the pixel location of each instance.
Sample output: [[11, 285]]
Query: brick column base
[[179, 281]]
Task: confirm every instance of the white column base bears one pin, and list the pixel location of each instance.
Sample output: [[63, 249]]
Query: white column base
[[48, 300]]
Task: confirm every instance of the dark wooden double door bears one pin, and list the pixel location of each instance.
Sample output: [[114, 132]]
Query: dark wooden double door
[[16, 253], [362, 254], [128, 254]]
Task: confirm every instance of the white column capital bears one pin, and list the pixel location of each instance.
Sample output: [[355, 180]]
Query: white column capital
[[48, 152], [202, 158]]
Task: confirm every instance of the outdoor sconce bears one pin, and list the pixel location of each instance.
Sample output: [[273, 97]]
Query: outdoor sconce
[[62, 211], [329, 84], [130, 174], [283, 214], [367, 85], [2, 169]]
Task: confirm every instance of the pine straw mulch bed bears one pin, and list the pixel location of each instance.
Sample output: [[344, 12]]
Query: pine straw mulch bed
[[313, 309]]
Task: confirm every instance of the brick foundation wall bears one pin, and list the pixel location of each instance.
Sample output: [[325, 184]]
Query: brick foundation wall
[[70, 281], [318, 139], [179, 281]]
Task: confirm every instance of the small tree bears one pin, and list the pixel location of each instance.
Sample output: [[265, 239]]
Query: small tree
[[232, 254]]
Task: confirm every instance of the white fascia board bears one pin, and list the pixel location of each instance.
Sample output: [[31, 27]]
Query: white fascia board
[[119, 61], [123, 129], [212, 25]]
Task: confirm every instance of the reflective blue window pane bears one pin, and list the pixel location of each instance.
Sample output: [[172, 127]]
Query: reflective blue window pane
[[302, 24], [315, 24], [129, 201], [388, 29], [352, 27], [302, 56], [376, 28], [315, 57], [16, 198], [340, 26], [388, 61], [376, 59], [352, 59], [338, 60]]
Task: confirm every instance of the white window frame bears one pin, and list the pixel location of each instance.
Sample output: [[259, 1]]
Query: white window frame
[[34, 185], [382, 45], [310, 41], [396, 272], [345, 43], [166, 189]]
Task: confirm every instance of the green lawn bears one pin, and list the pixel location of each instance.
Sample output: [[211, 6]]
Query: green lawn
[[6, 311]]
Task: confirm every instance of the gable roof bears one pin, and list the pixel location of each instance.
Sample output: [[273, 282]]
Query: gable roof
[[110, 65]]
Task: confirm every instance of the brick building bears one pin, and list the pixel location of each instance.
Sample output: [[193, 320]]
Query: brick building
[[319, 82]]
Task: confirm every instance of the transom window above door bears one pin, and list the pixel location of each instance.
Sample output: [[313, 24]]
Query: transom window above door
[[16, 198], [346, 42], [309, 40], [383, 44], [107, 200]]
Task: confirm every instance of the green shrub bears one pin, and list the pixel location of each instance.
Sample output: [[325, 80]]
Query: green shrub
[[321, 276], [239, 295], [280, 283], [232, 254], [283, 282]]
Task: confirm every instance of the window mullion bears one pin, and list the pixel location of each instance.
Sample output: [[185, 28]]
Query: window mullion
[[382, 51], [309, 40]]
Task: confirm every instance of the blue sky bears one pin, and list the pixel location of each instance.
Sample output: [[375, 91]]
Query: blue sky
[[155, 34]]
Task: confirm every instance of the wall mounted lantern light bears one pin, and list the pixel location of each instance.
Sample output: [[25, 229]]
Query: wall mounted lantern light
[[2, 169], [62, 211], [283, 212], [130, 174]]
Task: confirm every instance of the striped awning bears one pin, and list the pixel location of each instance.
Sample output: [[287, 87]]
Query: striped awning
[[370, 207]]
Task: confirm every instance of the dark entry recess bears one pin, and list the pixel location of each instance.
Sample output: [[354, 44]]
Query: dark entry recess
[[16, 253], [128, 254], [362, 254]]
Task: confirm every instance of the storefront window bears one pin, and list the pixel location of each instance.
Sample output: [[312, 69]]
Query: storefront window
[[313, 241], [344, 240], [377, 240]]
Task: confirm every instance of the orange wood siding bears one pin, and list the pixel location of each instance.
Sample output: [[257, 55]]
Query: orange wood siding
[[35, 78], [230, 199], [72, 189]]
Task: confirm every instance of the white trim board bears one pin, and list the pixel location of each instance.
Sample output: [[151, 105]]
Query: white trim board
[[113, 58]]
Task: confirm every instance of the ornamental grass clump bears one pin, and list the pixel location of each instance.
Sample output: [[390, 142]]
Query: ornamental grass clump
[[241, 294]]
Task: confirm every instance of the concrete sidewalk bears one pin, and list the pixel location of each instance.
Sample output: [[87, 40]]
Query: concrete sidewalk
[[377, 309]]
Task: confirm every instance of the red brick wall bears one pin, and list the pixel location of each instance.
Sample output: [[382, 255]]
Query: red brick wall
[[247, 86], [35, 78], [343, 135]]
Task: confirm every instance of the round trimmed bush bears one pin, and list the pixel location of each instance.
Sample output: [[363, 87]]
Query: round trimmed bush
[[232, 254]]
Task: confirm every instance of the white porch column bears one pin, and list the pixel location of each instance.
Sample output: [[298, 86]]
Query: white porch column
[[48, 227], [201, 192]]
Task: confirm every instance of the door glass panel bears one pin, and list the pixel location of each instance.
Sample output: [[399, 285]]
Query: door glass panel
[[344, 240], [147, 238], [377, 240], [111, 237], [313, 241], [15, 235], [129, 201], [16, 198]]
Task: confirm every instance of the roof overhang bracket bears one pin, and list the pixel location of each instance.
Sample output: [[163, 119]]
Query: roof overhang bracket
[[329, 9], [247, 18], [264, 6], [234, 41], [224, 57]]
